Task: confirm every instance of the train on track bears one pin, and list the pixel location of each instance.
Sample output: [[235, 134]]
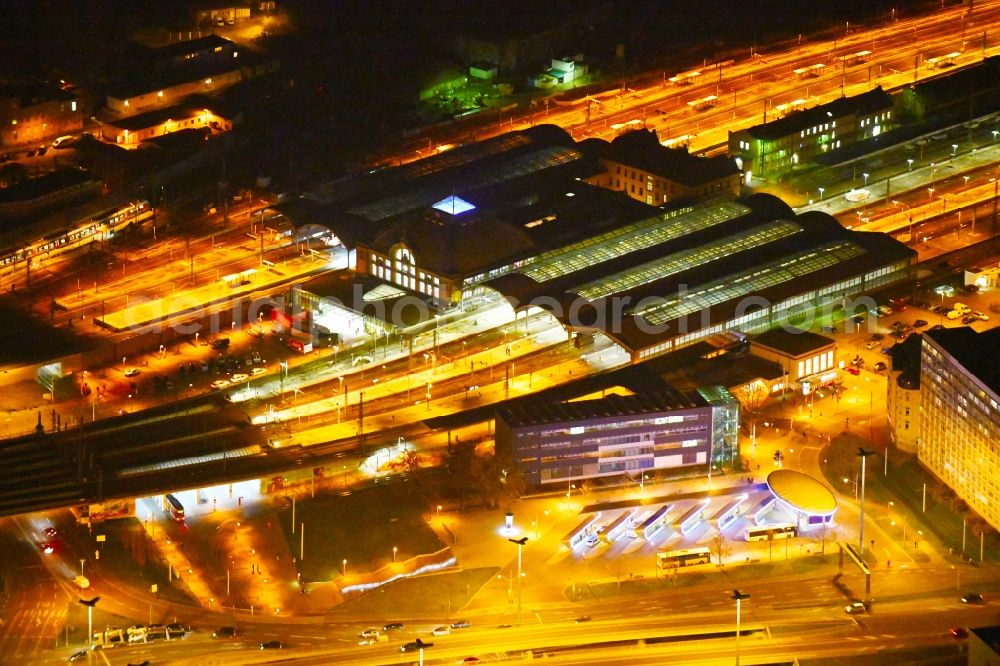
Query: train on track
[[99, 228]]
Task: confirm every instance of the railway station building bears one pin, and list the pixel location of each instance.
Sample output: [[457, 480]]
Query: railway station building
[[778, 145], [512, 225]]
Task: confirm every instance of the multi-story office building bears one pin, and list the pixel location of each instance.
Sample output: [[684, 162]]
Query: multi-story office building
[[960, 423], [660, 429]]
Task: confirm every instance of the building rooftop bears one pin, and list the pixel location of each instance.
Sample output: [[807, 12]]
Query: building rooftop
[[191, 46], [802, 492], [977, 353], [904, 358], [34, 188], [141, 121], [988, 635], [642, 149], [868, 102], [792, 341], [542, 411], [30, 94]]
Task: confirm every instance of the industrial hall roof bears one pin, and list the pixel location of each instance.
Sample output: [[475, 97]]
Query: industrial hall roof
[[703, 260], [641, 149]]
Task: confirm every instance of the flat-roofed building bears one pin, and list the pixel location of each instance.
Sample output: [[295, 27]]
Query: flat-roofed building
[[658, 428], [130, 131], [960, 423], [903, 394], [810, 359]]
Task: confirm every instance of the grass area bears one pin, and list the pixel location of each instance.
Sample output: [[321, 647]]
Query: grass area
[[127, 552], [361, 527], [433, 595], [706, 574], [904, 486]]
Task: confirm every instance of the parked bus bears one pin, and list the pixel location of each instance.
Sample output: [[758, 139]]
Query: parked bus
[[667, 559], [620, 525], [580, 533], [770, 532], [175, 508], [656, 522], [690, 520], [728, 514]]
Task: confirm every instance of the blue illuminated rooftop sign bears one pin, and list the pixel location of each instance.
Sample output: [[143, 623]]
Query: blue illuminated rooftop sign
[[454, 205]]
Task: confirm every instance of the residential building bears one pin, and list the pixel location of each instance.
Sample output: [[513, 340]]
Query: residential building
[[960, 424], [778, 145], [30, 114], [903, 394]]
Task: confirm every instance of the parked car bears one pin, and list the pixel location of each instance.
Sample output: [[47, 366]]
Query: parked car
[[81, 582], [582, 619], [920, 323], [959, 632], [240, 377], [854, 608], [220, 383], [981, 315], [63, 142], [258, 371], [871, 345], [392, 626], [969, 319], [876, 337], [972, 598], [853, 370], [370, 632], [880, 366], [460, 624], [224, 632], [899, 335], [220, 343], [412, 646], [132, 372], [272, 645], [441, 631]]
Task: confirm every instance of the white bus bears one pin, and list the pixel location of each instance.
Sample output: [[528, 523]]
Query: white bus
[[769, 532], [666, 559]]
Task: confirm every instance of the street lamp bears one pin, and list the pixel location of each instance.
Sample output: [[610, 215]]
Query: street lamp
[[344, 565], [821, 189], [865, 176], [394, 554], [863, 454], [90, 619], [738, 597], [520, 544], [954, 149], [909, 164]]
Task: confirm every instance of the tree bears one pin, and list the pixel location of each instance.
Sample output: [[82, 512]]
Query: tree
[[751, 397], [821, 534], [719, 548]]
